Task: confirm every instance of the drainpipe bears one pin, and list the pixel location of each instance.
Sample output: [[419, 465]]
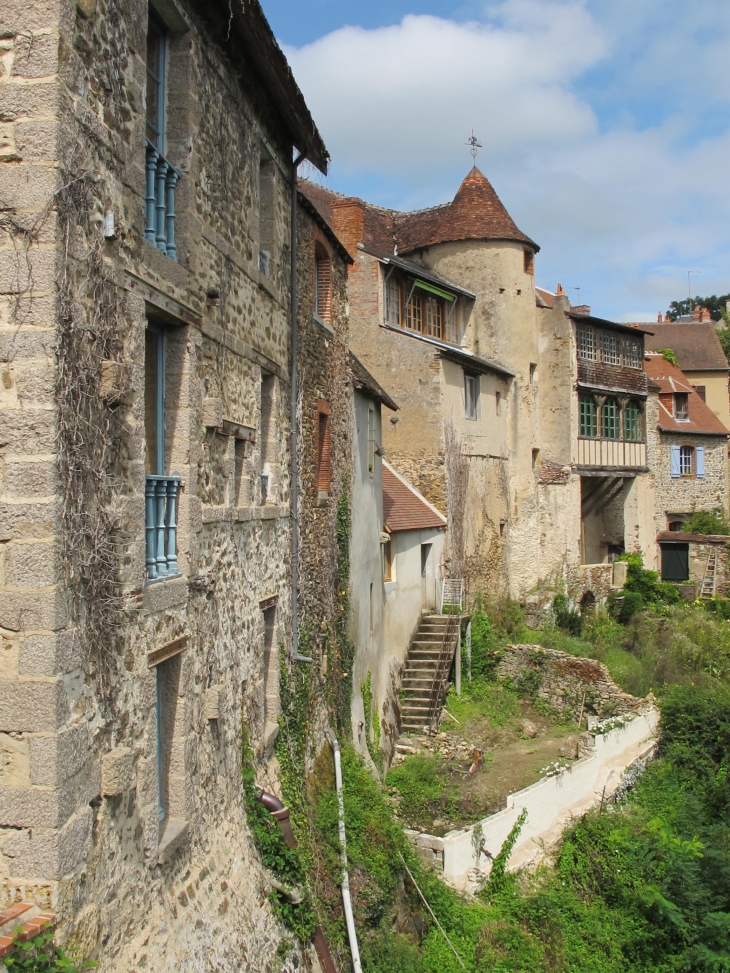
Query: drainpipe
[[281, 813], [346, 901], [293, 451]]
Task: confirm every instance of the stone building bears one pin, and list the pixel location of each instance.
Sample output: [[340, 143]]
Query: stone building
[[687, 449], [145, 270], [489, 378]]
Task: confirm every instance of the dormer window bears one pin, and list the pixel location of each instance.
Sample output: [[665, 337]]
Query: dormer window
[[681, 406]]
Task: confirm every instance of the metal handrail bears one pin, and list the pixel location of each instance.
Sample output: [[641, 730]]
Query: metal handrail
[[443, 665]]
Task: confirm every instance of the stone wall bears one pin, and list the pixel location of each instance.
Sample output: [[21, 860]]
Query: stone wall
[[82, 631], [324, 382], [687, 493], [563, 680]]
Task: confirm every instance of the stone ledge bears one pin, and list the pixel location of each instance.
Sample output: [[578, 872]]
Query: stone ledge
[[165, 593], [175, 833]]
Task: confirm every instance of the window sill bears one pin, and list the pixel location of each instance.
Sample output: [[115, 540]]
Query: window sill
[[159, 596], [174, 833], [324, 324], [322, 498], [390, 586]]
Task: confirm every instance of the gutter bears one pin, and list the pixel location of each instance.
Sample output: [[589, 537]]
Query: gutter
[[281, 813], [346, 900], [293, 447]]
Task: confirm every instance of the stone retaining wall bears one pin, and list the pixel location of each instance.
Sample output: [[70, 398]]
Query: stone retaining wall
[[563, 680]]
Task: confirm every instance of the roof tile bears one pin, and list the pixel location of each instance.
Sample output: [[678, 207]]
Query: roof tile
[[696, 346], [404, 508], [670, 380]]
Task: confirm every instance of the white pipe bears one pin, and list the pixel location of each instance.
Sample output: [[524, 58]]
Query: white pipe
[[346, 901]]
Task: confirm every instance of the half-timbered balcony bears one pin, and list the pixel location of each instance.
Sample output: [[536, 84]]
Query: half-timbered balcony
[[608, 453]]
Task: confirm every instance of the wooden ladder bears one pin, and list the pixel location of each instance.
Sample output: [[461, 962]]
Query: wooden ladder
[[709, 579]]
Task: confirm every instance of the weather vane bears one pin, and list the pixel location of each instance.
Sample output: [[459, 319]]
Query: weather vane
[[475, 146]]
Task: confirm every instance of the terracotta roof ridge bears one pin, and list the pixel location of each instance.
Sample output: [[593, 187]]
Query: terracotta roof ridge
[[413, 489]]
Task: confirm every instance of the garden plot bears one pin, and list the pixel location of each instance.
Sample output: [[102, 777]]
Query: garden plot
[[520, 741]]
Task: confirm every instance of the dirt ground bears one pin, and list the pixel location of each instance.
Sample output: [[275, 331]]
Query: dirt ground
[[513, 759]]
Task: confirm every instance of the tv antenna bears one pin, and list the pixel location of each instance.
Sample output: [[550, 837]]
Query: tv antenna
[[578, 291], [475, 145], [689, 289]]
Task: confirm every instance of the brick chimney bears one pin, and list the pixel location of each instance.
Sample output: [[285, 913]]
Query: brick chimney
[[659, 318]]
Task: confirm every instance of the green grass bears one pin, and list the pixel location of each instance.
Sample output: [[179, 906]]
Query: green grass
[[481, 698]]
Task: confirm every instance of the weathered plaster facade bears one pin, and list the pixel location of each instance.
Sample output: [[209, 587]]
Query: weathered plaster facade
[[121, 698]]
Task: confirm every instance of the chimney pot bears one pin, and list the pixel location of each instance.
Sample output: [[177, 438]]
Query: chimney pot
[[659, 318]]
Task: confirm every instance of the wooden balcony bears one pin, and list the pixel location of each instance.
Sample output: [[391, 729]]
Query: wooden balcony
[[611, 454]]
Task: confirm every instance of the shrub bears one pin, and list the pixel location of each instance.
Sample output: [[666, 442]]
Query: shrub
[[647, 583], [566, 618], [707, 522], [40, 955]]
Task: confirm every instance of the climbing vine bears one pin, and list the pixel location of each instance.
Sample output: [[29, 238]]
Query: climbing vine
[[341, 650], [89, 428], [372, 721]]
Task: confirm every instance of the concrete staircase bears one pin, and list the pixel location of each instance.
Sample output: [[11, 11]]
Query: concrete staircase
[[420, 672]]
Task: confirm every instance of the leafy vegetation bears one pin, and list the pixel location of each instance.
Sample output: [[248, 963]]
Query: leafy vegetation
[[41, 955], [669, 355], [714, 304], [707, 522]]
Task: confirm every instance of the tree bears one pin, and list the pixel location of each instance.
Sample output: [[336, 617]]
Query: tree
[[714, 304]]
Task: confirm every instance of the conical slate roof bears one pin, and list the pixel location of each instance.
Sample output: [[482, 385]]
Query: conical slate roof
[[476, 213]]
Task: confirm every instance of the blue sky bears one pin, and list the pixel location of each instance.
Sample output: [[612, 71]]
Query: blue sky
[[605, 126]]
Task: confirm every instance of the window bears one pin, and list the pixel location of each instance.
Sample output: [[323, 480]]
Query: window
[[270, 670], [587, 343], [687, 461], [371, 440], [156, 51], [633, 431], [609, 419], [471, 395], [498, 402], [161, 490], [324, 446], [267, 191], [535, 459], [388, 560], [322, 283], [588, 415], [528, 262], [533, 373], [610, 348], [269, 439], [632, 352], [414, 313], [167, 675], [434, 317], [681, 406], [392, 301], [160, 177], [452, 327]]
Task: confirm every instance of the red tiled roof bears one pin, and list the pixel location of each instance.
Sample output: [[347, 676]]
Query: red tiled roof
[[696, 346], [670, 380], [476, 213], [403, 506]]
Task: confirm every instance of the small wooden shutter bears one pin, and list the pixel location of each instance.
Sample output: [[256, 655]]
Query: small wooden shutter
[[674, 460], [324, 288], [700, 460], [324, 448]]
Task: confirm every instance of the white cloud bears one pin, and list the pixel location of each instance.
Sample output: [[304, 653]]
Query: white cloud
[[405, 98], [605, 124]]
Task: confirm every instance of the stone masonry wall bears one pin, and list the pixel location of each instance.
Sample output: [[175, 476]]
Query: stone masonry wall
[[687, 493], [324, 377], [562, 680], [79, 828]]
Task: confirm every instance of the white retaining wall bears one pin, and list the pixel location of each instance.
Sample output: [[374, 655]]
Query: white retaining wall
[[550, 804]]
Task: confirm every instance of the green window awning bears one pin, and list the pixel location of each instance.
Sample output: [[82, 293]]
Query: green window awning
[[435, 290]]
